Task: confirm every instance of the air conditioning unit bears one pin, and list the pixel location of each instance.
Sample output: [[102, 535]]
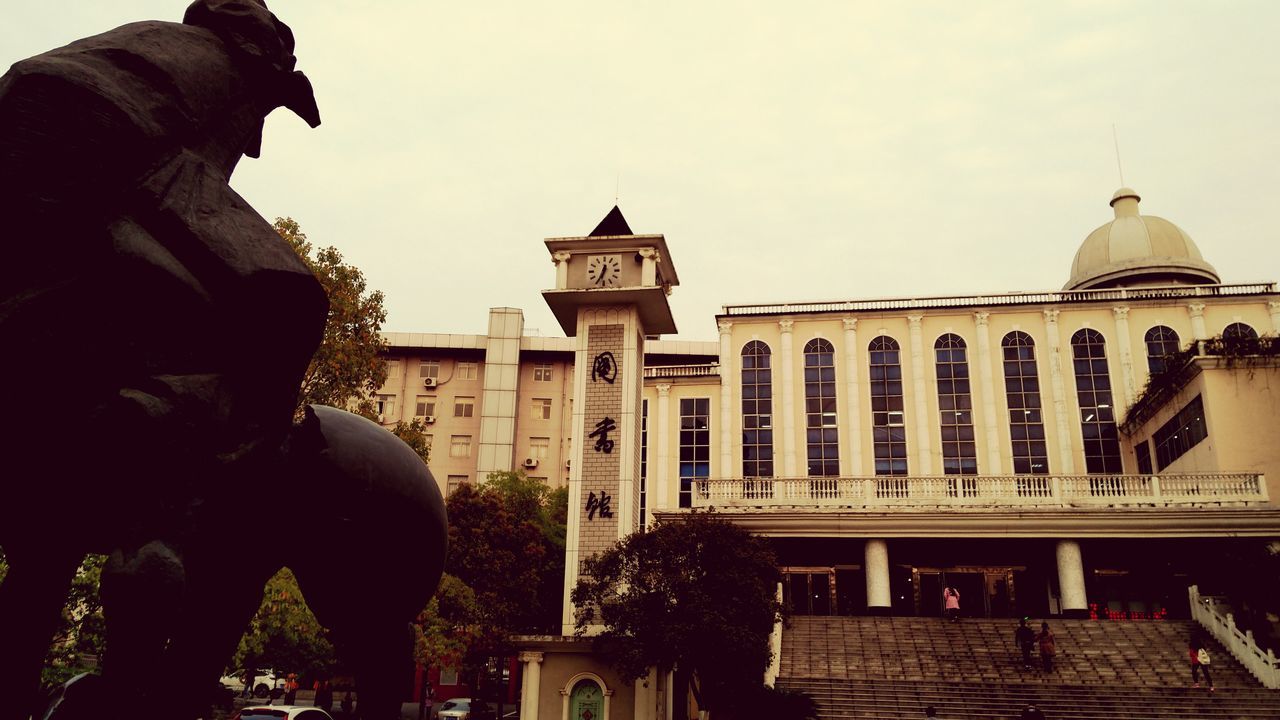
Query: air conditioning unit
[[429, 419], [566, 464], [428, 382], [531, 462]]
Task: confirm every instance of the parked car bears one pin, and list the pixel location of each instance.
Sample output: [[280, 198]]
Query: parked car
[[281, 712], [465, 709], [265, 683]]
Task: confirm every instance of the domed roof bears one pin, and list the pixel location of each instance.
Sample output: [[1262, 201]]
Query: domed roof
[[1136, 250]]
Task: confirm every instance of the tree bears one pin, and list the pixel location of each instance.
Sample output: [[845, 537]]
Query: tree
[[697, 593], [447, 628], [284, 634], [349, 363], [414, 434]]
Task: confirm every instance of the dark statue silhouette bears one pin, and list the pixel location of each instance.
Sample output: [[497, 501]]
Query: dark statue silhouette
[[155, 332]]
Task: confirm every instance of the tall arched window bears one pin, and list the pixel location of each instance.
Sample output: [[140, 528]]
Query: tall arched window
[[1161, 343], [1239, 331], [822, 432], [888, 423], [1097, 413], [757, 415], [955, 406], [1026, 424]]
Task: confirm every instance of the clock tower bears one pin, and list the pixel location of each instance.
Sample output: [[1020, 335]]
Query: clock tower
[[611, 292]]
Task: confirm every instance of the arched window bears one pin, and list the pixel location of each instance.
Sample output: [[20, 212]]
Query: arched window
[[1161, 343], [1026, 424], [821, 429], [888, 422], [757, 413], [955, 406], [1239, 331], [1097, 413]]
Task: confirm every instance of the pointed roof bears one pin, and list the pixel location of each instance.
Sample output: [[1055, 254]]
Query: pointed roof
[[612, 224]]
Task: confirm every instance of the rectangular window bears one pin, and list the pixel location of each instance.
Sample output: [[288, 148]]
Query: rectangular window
[[467, 371], [695, 448], [1183, 432], [426, 406], [539, 447], [542, 372], [454, 482], [393, 369], [429, 369], [1143, 452], [542, 408], [386, 406], [448, 676], [460, 446], [464, 406]]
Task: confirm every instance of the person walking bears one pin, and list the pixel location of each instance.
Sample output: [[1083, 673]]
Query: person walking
[[1025, 638], [951, 602], [1200, 662], [1048, 646], [1031, 712]]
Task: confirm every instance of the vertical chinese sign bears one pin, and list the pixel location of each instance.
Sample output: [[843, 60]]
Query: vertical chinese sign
[[602, 448]]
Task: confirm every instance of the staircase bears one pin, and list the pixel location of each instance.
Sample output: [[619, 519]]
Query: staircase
[[894, 667]]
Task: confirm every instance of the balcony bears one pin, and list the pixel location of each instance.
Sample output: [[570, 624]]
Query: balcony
[[682, 371], [1032, 492]]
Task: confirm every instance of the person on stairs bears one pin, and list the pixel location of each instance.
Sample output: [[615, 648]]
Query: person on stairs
[[1025, 638], [951, 602], [1200, 662], [1048, 646], [1031, 712]]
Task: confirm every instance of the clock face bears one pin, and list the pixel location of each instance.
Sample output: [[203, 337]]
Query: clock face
[[604, 270]]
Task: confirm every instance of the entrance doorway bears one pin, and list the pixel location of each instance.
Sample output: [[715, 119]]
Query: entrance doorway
[[809, 590], [984, 591]]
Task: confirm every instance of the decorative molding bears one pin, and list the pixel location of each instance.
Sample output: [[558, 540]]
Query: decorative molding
[[664, 389], [980, 318], [560, 256], [915, 320], [1196, 309], [851, 323], [786, 324], [531, 656], [1121, 312], [1051, 316], [726, 326]]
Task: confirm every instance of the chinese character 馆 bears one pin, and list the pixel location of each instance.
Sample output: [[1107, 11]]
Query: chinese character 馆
[[600, 504]]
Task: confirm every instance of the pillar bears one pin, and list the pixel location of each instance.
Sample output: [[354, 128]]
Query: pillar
[[851, 397], [530, 690], [1058, 394], [727, 373], [879, 599], [990, 422], [924, 431], [1273, 307], [660, 469], [1075, 603], [1198, 331], [1126, 359], [787, 380]]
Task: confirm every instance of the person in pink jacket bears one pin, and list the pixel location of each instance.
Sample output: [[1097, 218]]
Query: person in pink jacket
[[951, 602]]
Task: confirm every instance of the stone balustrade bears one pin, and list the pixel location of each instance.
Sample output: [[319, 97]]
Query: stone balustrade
[[1067, 491], [1213, 615]]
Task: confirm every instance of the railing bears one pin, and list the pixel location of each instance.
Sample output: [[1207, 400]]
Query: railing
[[1013, 298], [984, 490], [1212, 614], [675, 371]]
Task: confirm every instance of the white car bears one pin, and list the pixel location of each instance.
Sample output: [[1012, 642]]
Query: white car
[[264, 683], [455, 709], [281, 712]]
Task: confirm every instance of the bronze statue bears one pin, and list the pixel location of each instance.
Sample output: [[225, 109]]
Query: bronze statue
[[156, 330]]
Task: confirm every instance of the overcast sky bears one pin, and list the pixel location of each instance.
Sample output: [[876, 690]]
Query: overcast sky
[[788, 151]]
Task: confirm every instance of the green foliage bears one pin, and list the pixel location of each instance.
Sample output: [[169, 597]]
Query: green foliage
[[414, 434], [698, 593], [349, 363], [284, 634], [1178, 369], [449, 626], [78, 641]]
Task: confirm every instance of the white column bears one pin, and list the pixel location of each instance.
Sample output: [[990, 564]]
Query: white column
[[1198, 331], [853, 405], [1058, 390], [1273, 307], [660, 469], [530, 690], [561, 260], [787, 381], [924, 448], [1124, 340], [876, 568], [646, 696], [727, 374], [1075, 602], [775, 648], [990, 422]]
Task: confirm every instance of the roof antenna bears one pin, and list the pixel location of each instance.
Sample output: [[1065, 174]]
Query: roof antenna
[[1115, 139], [617, 185]]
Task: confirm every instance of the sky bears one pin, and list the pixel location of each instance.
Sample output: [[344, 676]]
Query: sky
[[789, 152]]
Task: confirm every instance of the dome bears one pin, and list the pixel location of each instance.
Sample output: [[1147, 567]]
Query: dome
[[1135, 250]]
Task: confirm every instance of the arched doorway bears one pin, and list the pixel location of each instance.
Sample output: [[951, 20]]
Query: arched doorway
[[586, 698]]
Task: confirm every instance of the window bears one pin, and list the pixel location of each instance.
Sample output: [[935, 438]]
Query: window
[[538, 447], [757, 415], [1183, 432], [393, 369], [542, 372], [466, 371], [955, 406], [644, 458], [460, 446], [1239, 331], [1142, 451], [464, 406], [822, 432], [1093, 395], [454, 482], [695, 447], [1026, 423], [1161, 343], [448, 676], [429, 369], [888, 426], [386, 405], [542, 408], [426, 406]]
